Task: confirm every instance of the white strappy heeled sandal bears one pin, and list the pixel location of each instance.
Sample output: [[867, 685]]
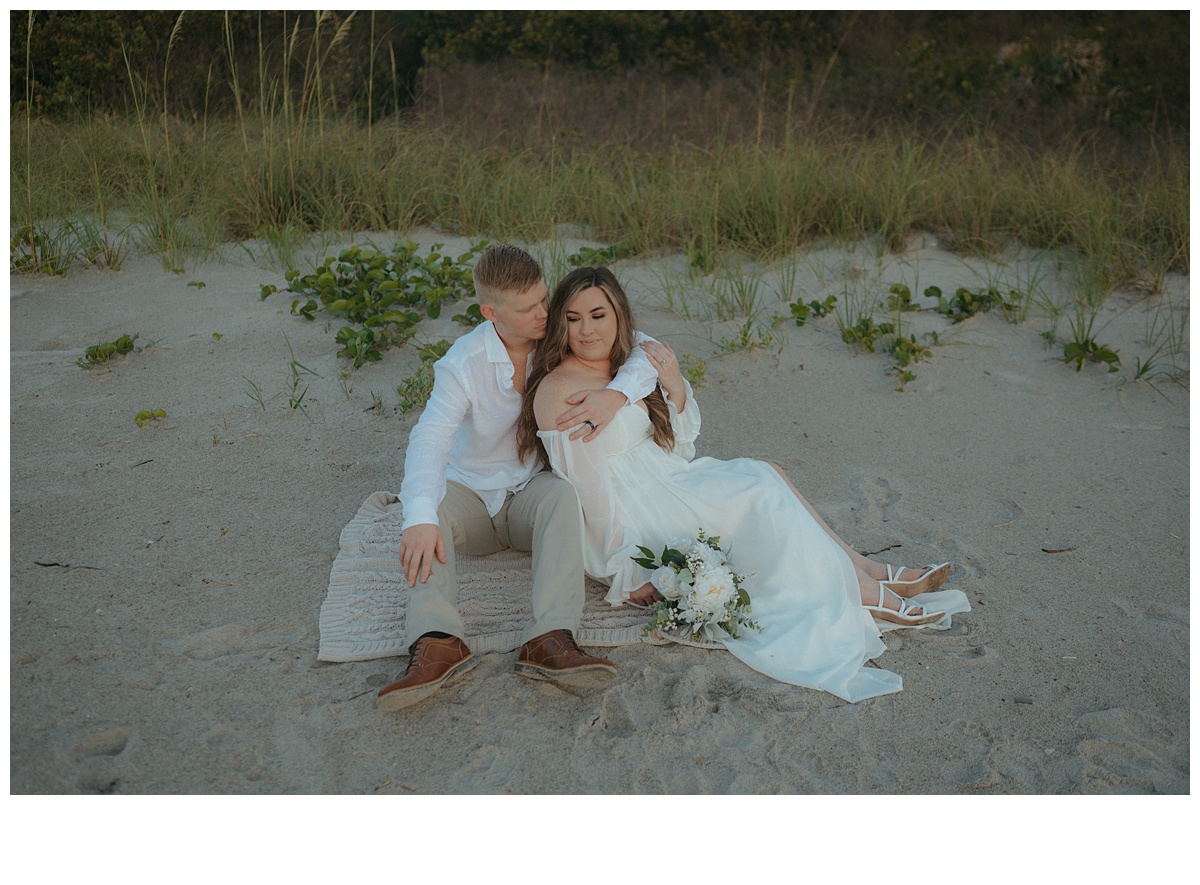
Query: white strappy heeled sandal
[[934, 577], [904, 616]]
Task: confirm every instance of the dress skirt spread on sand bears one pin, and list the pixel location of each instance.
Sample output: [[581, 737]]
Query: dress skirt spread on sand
[[803, 591]]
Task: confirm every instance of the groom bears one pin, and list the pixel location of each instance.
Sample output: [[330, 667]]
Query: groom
[[465, 491]]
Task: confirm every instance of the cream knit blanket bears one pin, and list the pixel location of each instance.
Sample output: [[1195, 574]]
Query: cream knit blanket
[[363, 613]]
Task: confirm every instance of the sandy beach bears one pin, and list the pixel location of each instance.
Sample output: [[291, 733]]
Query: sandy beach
[[166, 580]]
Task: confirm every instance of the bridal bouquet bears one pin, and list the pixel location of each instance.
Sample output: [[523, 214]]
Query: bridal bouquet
[[700, 589]]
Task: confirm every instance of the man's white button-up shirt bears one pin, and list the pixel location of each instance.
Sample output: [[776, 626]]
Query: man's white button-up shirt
[[468, 431]]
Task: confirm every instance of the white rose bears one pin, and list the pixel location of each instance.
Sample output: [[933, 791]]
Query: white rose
[[666, 581], [703, 558], [713, 590]]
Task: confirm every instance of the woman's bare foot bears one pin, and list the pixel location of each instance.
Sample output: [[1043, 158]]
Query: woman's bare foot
[[645, 595]]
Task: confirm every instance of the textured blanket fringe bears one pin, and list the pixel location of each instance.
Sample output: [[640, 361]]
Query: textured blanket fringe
[[363, 614]]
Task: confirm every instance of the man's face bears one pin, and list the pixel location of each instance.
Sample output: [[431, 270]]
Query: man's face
[[520, 318]]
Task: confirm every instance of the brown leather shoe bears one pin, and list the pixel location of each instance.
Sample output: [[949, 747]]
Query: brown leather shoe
[[556, 657], [434, 663]]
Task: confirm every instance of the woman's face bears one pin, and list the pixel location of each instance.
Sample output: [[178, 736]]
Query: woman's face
[[591, 325]]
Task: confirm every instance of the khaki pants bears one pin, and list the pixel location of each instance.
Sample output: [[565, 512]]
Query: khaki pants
[[544, 518]]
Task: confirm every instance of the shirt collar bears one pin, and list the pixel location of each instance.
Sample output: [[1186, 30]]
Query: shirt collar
[[493, 346]]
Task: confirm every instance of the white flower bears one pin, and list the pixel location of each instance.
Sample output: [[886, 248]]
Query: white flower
[[710, 594], [700, 589], [716, 585], [702, 558], [666, 580]]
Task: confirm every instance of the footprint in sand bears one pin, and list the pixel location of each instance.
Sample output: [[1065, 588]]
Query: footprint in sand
[[1133, 752], [966, 756], [880, 497], [99, 766], [109, 742], [963, 642], [231, 639]]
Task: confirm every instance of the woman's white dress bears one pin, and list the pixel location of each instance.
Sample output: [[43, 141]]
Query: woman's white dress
[[804, 593]]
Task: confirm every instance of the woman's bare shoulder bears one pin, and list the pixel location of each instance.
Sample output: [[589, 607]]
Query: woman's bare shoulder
[[550, 401]]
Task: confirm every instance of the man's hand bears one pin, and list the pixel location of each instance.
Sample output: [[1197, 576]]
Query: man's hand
[[418, 546], [595, 407]]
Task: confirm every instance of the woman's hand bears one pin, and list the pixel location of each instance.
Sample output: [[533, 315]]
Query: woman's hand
[[645, 595], [669, 374]]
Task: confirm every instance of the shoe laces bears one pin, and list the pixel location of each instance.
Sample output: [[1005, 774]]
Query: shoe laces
[[573, 645]]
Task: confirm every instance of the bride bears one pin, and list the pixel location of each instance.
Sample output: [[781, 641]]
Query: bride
[[639, 483]]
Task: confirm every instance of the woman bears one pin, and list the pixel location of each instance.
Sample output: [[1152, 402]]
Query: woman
[[639, 484]]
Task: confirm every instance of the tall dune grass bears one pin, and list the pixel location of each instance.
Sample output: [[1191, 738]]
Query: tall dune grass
[[293, 159], [238, 179]]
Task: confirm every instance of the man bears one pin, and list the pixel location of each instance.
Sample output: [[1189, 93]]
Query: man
[[466, 491]]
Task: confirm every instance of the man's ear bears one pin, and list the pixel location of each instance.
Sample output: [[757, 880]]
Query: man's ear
[[488, 311]]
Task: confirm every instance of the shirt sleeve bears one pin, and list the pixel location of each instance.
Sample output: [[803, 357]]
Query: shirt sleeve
[[636, 379], [429, 446], [607, 544]]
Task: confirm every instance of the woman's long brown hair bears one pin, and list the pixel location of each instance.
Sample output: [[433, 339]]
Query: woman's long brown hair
[[554, 348]]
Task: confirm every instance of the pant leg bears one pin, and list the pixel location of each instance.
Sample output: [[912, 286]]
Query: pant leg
[[545, 517], [466, 528]]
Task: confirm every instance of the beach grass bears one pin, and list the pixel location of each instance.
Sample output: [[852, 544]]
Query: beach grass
[[289, 162], [183, 189]]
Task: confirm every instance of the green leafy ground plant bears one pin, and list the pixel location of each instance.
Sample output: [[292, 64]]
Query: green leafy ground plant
[[965, 303], [384, 296], [414, 391], [144, 417], [907, 351], [587, 256], [1087, 350], [99, 353], [866, 334], [801, 312], [694, 369]]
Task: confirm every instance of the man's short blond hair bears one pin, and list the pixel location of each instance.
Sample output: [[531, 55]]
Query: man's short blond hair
[[504, 270]]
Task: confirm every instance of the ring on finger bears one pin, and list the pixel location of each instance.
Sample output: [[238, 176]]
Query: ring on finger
[[591, 425]]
